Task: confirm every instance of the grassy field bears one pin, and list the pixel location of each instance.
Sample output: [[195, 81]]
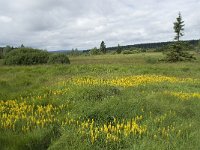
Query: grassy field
[[101, 102]]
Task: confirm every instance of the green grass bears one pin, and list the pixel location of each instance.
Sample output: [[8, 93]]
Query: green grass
[[105, 102]]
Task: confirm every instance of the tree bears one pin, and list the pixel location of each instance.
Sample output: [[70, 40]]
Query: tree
[[103, 47], [178, 27], [119, 49], [178, 50]]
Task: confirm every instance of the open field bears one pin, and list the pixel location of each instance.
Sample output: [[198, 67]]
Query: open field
[[101, 102]]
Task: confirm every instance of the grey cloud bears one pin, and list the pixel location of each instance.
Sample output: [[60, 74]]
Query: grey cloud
[[67, 24]]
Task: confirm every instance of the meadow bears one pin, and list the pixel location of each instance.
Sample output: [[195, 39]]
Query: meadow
[[101, 102]]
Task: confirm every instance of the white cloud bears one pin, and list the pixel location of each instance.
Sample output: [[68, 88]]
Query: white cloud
[[67, 24], [5, 19]]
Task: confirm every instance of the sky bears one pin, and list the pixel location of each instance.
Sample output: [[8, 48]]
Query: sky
[[83, 24]]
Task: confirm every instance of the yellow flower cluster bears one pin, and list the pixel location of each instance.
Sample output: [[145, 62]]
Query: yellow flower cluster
[[166, 131], [112, 131], [184, 95], [129, 81], [55, 92], [25, 117]]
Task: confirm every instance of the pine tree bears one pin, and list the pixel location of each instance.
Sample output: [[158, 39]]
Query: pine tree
[[103, 47], [178, 27], [177, 49]]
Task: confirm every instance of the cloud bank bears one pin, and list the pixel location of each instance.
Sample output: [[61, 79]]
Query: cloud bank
[[67, 24]]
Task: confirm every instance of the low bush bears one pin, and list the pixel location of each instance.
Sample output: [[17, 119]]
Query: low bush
[[58, 59], [26, 56]]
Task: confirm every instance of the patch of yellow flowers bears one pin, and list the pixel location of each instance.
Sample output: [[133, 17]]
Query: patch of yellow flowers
[[165, 130], [184, 95], [44, 95], [129, 81], [112, 131], [25, 117], [21, 116]]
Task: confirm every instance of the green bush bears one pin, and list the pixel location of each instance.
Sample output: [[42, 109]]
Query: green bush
[[26, 56], [58, 59]]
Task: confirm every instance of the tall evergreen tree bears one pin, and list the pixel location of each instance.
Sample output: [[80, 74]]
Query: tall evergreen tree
[[178, 49], [103, 47], [178, 27]]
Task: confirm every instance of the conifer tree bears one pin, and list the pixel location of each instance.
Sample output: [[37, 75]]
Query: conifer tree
[[103, 47], [178, 27], [178, 49]]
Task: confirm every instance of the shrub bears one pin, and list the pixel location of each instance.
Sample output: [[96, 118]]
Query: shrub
[[58, 59], [26, 56]]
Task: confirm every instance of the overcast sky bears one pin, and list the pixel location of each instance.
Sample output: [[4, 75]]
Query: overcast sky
[[83, 24]]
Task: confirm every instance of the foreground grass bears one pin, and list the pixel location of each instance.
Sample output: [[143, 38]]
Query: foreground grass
[[101, 102]]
